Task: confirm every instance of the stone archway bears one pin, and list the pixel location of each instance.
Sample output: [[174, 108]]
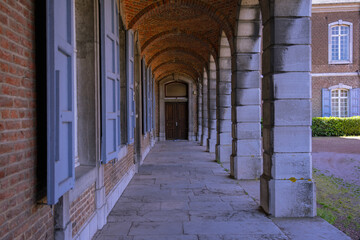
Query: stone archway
[[189, 100], [286, 185]]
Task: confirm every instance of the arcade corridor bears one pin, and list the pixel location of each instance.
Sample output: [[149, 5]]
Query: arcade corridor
[[89, 88], [181, 193]]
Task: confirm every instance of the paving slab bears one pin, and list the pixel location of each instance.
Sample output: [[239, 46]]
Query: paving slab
[[181, 193], [231, 228], [156, 228], [309, 228]]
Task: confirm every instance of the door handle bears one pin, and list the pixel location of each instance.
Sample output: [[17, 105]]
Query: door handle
[[176, 123]]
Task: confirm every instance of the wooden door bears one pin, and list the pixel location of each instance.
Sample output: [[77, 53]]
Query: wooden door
[[176, 121]]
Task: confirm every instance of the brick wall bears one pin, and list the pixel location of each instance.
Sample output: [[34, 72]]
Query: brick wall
[[82, 208], [20, 215], [320, 22], [114, 171]]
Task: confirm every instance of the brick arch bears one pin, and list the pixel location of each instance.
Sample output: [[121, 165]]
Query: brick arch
[[180, 49], [199, 5], [178, 67], [182, 71], [179, 63], [166, 75], [180, 33], [178, 56]]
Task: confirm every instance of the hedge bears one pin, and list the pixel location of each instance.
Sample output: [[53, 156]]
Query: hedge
[[335, 126]]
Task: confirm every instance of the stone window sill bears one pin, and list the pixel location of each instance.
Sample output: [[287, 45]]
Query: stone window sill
[[85, 176]]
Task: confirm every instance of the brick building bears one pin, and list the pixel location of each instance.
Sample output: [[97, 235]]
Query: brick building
[[88, 86], [336, 58]]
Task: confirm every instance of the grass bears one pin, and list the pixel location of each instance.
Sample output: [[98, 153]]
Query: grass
[[338, 203]]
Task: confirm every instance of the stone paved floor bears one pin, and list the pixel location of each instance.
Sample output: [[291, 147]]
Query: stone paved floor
[[181, 193]]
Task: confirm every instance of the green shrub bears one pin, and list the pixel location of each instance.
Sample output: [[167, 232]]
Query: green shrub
[[335, 126]]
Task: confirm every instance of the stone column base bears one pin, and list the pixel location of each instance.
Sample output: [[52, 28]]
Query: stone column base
[[288, 198], [246, 168], [223, 153], [204, 140], [162, 137], [211, 145]]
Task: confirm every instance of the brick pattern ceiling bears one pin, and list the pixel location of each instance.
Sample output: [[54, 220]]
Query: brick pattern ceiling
[[178, 36]]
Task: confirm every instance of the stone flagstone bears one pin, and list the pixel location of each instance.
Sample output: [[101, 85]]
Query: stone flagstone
[[181, 193]]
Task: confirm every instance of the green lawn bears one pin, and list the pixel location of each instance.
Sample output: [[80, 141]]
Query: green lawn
[[338, 203]]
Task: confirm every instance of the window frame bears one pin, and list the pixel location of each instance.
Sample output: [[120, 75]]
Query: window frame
[[130, 86], [330, 26], [339, 102]]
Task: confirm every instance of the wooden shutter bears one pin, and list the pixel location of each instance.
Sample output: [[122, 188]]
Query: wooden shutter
[[354, 102], [326, 102], [150, 102], [110, 80], [130, 86], [60, 98], [153, 103], [144, 90], [148, 105]]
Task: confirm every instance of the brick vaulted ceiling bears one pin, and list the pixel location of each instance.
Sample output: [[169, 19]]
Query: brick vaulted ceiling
[[178, 36]]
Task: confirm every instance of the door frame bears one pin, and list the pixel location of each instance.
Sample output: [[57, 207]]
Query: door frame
[[189, 100]]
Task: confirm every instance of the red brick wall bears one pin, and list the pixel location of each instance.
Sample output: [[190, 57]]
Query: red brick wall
[[82, 208], [20, 215], [320, 22], [113, 172]]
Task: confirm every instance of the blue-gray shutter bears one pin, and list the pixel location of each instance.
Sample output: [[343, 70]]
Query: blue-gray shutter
[[326, 102], [154, 104], [148, 101], [130, 86], [143, 81], [110, 81], [60, 98], [355, 102]]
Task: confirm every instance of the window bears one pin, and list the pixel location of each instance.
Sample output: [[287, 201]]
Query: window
[[340, 42], [60, 48], [340, 101], [144, 78], [110, 81], [149, 99], [130, 86]]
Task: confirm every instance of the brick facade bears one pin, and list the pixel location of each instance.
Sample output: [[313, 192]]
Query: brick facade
[[114, 171], [21, 215], [82, 208], [171, 50], [23, 210], [320, 61]]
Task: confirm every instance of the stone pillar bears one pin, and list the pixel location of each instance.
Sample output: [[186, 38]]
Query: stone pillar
[[211, 141], [287, 187], [223, 103], [63, 225], [200, 111], [246, 158], [205, 119]]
